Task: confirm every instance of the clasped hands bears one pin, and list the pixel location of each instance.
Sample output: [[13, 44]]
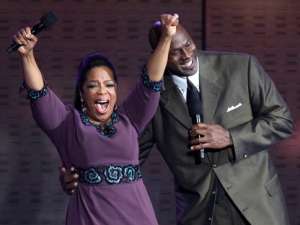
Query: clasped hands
[[210, 136], [168, 24]]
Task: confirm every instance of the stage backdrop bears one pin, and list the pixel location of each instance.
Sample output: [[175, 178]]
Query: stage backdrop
[[30, 193]]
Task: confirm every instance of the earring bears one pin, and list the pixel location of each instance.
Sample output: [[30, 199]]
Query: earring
[[83, 108], [115, 108]]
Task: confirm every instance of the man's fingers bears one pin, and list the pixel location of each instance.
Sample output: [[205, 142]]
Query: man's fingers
[[71, 185], [62, 169]]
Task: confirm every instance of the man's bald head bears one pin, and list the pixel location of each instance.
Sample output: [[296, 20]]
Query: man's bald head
[[155, 33], [182, 59]]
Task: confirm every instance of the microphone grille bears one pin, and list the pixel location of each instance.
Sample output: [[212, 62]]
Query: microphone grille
[[49, 19]]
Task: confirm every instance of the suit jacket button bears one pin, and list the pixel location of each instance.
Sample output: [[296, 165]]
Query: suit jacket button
[[245, 156], [214, 165]]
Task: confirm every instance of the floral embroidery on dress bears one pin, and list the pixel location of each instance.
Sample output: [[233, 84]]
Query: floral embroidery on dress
[[91, 176], [109, 130], [112, 174], [129, 173]]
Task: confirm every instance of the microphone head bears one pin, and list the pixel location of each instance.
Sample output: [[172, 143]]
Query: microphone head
[[49, 19]]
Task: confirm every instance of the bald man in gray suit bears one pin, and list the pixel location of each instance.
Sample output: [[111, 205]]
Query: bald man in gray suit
[[243, 116]]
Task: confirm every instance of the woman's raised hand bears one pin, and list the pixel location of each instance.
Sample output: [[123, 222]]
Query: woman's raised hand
[[26, 39], [168, 24]]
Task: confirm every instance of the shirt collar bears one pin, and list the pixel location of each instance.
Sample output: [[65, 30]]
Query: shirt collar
[[182, 84]]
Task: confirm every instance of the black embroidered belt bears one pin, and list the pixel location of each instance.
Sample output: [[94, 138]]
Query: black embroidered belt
[[112, 174]]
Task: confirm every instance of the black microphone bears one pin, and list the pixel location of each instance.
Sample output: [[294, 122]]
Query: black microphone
[[46, 21], [195, 111]]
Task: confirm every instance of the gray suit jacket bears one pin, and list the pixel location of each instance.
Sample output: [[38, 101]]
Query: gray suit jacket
[[238, 95]]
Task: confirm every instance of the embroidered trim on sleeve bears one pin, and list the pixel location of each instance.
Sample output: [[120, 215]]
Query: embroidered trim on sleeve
[[31, 94], [156, 86]]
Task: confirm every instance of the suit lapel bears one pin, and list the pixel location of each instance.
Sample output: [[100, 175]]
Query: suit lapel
[[172, 100], [210, 86]]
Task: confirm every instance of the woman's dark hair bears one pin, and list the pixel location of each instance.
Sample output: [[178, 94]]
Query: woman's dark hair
[[86, 64]]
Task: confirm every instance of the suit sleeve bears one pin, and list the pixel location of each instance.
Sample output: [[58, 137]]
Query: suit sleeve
[[272, 120]]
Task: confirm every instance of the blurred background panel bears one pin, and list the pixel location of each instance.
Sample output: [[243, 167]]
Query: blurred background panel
[[30, 193]]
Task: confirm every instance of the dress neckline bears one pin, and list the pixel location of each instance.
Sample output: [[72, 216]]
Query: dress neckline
[[109, 130]]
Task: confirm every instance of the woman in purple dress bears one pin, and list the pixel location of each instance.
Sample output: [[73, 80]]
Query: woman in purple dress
[[98, 137]]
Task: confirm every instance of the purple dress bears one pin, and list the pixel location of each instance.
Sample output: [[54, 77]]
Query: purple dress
[[110, 190]]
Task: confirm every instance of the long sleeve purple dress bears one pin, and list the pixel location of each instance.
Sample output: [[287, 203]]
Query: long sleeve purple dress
[[111, 190]]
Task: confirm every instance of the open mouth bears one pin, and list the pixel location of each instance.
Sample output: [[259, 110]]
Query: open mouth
[[189, 67], [102, 106], [188, 64]]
